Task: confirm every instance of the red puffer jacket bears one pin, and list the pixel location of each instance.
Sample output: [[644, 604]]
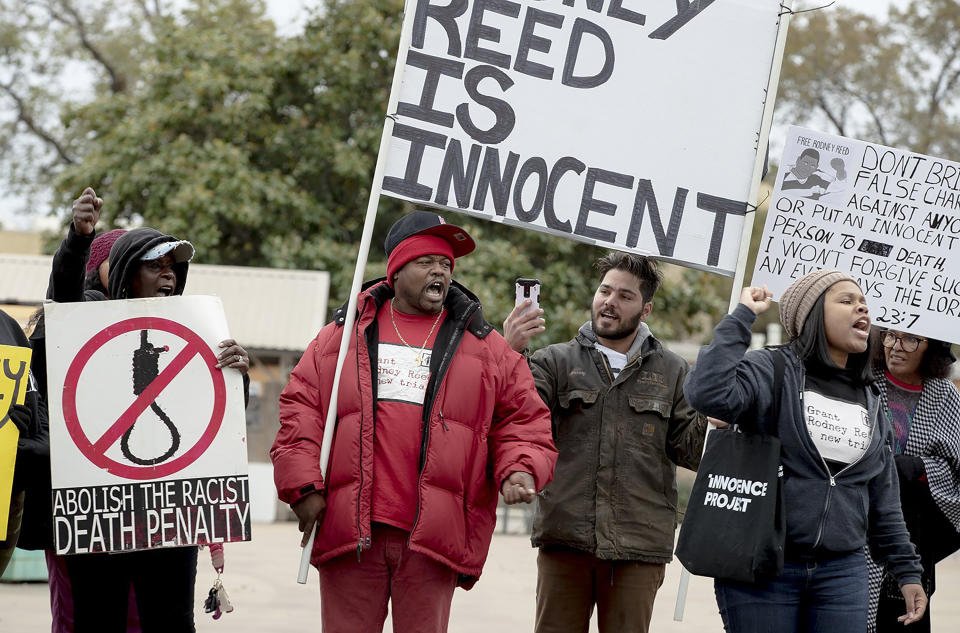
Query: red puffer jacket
[[483, 419]]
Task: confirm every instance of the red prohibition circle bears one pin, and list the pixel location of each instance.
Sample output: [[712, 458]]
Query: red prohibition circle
[[97, 454]]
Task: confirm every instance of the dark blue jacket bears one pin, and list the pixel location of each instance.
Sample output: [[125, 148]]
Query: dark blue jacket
[[825, 513]]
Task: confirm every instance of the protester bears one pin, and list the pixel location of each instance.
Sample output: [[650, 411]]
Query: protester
[[30, 421], [605, 524], [923, 407], [835, 493], [143, 263], [38, 513], [435, 415]]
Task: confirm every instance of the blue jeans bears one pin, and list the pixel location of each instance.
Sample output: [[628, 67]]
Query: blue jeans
[[814, 594]]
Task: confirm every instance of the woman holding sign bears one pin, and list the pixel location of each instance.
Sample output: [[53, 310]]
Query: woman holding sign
[[923, 409], [839, 479], [143, 263]]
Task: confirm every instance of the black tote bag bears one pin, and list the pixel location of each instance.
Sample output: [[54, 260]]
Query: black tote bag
[[734, 528]]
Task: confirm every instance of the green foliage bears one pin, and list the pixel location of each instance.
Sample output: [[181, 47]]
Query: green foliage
[[261, 149], [41, 41], [689, 304], [205, 123]]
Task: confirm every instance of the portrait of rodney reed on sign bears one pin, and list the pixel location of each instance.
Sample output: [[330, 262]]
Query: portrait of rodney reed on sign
[[806, 178]]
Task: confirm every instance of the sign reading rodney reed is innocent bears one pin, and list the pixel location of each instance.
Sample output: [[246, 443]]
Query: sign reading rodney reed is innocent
[[626, 123]]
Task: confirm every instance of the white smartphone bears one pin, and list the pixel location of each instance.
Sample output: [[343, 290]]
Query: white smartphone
[[528, 289]]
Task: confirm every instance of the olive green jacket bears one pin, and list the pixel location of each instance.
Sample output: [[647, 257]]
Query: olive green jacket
[[614, 490]]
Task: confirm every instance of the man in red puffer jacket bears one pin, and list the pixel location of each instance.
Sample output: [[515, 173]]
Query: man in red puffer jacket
[[435, 414]]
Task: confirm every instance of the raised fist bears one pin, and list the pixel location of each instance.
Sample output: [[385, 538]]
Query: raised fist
[[86, 212]]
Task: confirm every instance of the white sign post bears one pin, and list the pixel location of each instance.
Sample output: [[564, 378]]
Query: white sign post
[[624, 124], [889, 217], [147, 436]]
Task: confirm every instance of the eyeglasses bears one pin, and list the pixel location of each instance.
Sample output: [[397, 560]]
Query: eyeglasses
[[908, 342]]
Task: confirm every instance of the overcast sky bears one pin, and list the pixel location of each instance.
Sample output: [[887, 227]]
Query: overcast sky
[[290, 15]]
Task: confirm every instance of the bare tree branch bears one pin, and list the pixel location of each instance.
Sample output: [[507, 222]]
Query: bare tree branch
[[24, 116], [118, 82], [147, 12], [152, 11], [877, 121], [838, 121], [939, 88]]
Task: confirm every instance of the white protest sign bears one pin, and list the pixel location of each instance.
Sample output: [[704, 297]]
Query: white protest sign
[[147, 436], [633, 125], [889, 217]]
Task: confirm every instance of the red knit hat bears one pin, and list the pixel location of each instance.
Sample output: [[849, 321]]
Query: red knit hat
[[100, 248], [414, 247]]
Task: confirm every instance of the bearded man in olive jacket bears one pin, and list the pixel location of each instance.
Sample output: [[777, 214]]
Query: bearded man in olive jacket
[[605, 525]]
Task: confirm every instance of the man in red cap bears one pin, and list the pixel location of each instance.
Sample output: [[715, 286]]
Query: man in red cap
[[436, 414]]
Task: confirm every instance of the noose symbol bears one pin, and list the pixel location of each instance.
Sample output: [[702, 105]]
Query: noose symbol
[[146, 368]]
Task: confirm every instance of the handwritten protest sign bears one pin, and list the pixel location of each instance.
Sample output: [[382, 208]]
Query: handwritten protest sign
[[148, 441], [14, 380], [632, 125], [889, 217]]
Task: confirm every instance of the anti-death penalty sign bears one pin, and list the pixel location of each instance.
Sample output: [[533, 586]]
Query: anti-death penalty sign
[[147, 435]]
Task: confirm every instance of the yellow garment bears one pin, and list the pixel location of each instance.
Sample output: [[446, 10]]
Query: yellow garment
[[14, 377]]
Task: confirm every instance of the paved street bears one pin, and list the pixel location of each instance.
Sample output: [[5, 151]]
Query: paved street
[[261, 580]]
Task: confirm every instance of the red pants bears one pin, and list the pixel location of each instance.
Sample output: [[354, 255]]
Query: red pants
[[354, 595]]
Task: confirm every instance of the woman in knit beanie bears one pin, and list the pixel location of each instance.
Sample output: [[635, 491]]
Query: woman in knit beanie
[[839, 478]]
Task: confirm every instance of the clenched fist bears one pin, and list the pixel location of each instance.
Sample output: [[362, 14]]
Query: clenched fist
[[86, 212], [518, 487]]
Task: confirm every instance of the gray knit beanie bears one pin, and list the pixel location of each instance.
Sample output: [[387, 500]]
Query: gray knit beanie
[[797, 300]]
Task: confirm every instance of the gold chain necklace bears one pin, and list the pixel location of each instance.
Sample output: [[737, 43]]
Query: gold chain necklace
[[404, 341]]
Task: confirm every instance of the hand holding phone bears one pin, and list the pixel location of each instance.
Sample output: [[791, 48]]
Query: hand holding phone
[[522, 324]]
